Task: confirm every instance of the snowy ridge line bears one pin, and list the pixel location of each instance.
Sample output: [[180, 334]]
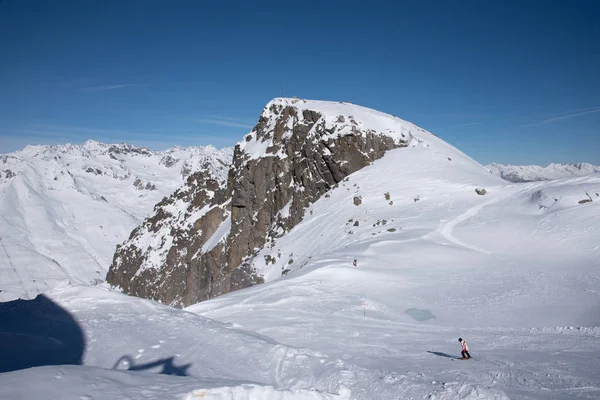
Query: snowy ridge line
[[529, 173], [585, 330], [336, 119], [93, 146]]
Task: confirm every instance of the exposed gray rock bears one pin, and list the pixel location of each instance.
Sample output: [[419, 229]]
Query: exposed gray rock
[[481, 192], [94, 171], [124, 148], [168, 161], [357, 200], [301, 157]]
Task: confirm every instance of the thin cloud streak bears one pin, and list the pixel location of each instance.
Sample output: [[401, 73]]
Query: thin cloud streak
[[227, 122], [103, 88], [583, 111], [469, 124], [79, 132]]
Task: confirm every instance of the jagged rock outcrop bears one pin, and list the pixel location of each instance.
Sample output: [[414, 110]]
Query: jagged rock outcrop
[[201, 241]]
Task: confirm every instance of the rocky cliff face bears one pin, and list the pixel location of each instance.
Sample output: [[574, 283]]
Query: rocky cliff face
[[200, 242]]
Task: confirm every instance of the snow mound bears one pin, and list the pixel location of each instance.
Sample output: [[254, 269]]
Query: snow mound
[[87, 383], [255, 392], [464, 391], [561, 195]]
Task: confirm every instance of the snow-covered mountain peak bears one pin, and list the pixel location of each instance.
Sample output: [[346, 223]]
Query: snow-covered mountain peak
[[322, 121], [298, 151]]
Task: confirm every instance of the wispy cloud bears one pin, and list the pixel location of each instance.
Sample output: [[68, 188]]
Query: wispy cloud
[[228, 122], [469, 124], [103, 88], [569, 114]]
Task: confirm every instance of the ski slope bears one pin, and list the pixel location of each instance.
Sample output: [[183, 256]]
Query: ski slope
[[514, 272], [138, 349], [63, 209]]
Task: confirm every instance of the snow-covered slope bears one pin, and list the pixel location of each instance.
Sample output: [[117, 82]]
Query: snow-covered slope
[[63, 209], [513, 271], [531, 173]]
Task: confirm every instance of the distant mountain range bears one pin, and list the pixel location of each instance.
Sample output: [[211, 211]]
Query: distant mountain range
[[63, 209], [532, 173]]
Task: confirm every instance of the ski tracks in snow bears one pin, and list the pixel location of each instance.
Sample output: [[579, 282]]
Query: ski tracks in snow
[[446, 230]]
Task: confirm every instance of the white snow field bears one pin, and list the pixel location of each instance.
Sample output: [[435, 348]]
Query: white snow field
[[514, 272], [63, 209]]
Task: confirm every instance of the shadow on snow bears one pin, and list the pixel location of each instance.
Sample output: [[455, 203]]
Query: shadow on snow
[[164, 366], [38, 332], [437, 353]]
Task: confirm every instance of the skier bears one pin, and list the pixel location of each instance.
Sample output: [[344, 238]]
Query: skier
[[465, 349], [355, 263]]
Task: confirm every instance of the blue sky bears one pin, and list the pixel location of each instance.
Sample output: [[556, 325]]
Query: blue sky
[[512, 82]]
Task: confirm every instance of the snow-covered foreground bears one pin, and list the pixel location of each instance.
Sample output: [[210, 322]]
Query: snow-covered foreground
[[127, 341], [514, 272], [63, 209]]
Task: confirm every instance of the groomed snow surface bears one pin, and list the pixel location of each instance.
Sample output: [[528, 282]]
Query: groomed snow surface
[[514, 272]]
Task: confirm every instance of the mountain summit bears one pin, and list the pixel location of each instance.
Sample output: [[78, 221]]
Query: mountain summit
[[202, 241]]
